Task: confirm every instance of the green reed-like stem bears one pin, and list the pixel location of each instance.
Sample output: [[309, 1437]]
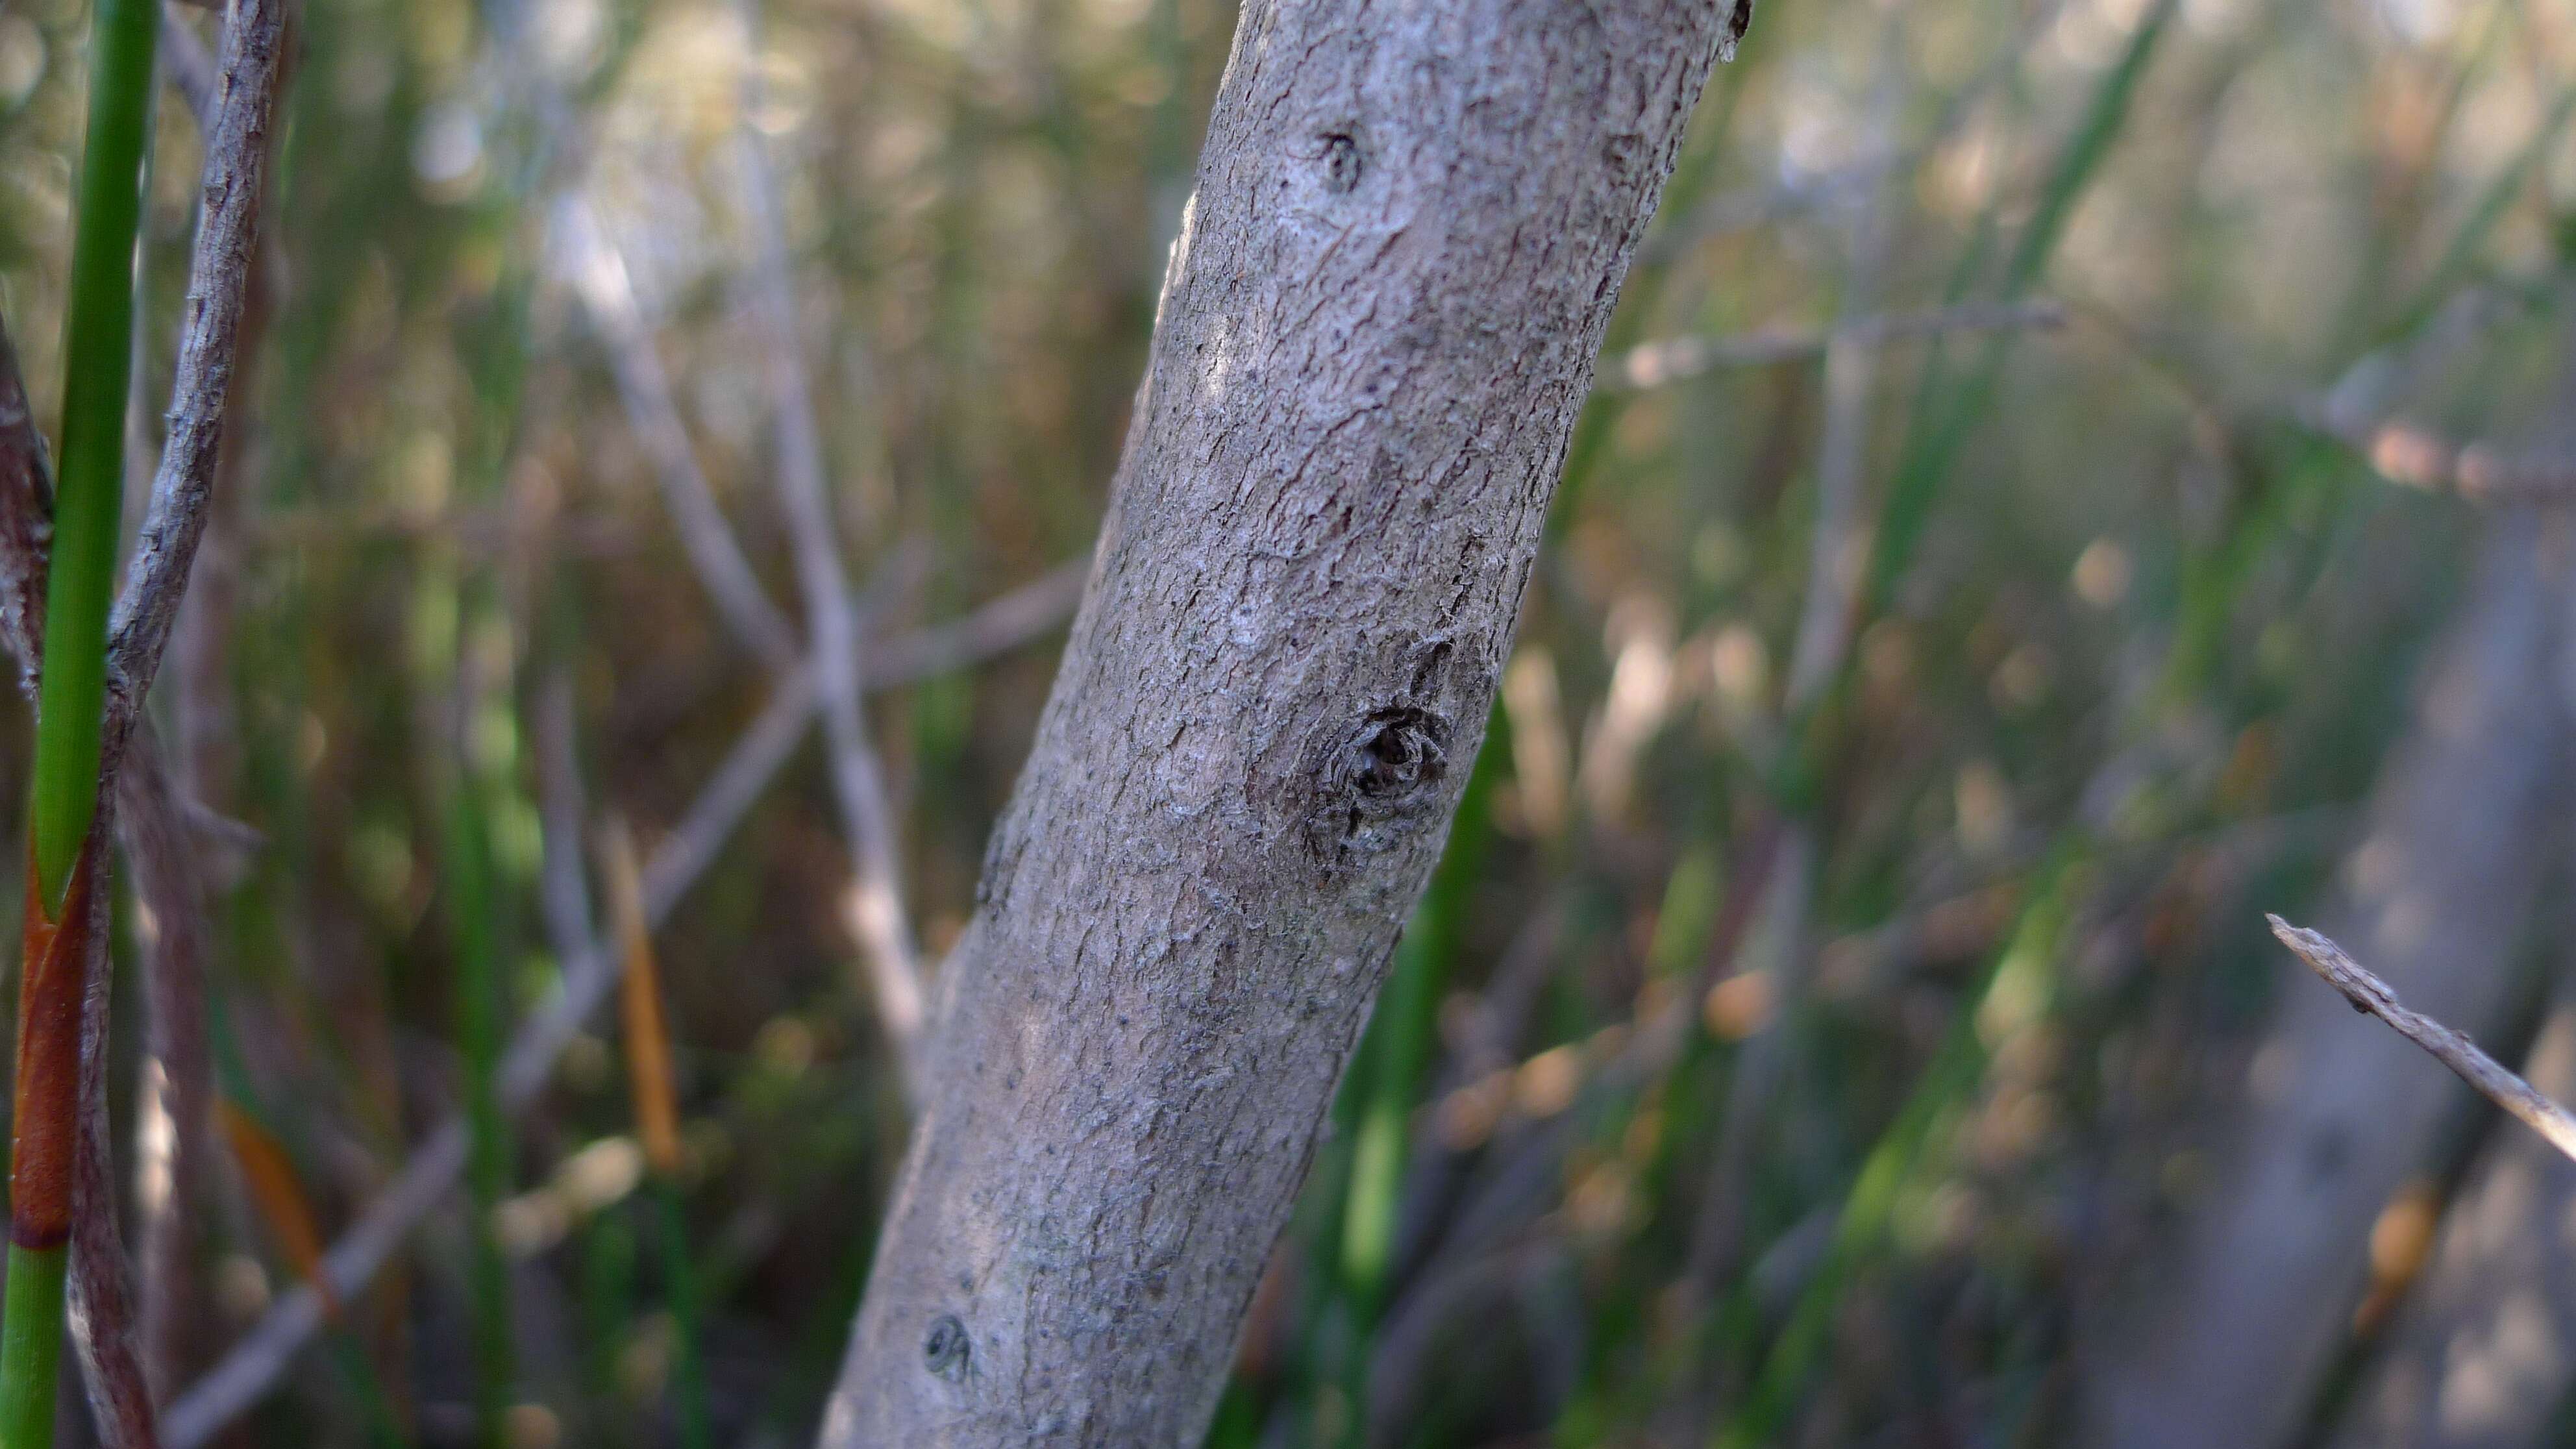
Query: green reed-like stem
[[88, 507], [679, 1270], [30, 1363], [71, 698]]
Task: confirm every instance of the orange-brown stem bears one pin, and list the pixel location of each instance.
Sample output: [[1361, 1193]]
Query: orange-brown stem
[[46, 1121], [648, 1041], [279, 1195]]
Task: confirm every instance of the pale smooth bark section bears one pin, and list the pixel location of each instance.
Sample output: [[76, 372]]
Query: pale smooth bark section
[[2340, 1111], [1379, 323]]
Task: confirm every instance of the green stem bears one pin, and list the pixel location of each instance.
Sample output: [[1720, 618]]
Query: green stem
[[384, 1431], [2022, 981], [480, 1026], [71, 697], [88, 509], [682, 1286], [30, 1363]]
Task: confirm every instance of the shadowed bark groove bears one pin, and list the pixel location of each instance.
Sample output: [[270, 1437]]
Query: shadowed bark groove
[[1380, 320]]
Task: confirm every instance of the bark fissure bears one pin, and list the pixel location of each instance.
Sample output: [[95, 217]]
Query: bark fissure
[[1378, 325]]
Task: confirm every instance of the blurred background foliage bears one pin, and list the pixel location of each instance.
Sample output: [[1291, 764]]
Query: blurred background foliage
[[1776, 1059]]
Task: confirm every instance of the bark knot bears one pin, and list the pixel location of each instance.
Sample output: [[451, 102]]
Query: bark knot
[[1388, 767], [945, 1350], [1341, 162], [1399, 752]]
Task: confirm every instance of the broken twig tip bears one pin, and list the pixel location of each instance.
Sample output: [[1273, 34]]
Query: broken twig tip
[[2374, 997]]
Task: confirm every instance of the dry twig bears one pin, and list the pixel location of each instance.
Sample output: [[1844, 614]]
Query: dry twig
[[2357, 410], [599, 278], [2418, 457], [26, 514], [218, 281], [236, 155], [562, 887], [163, 856], [1749, 207], [996, 627], [190, 68], [1656, 364], [101, 1305], [255, 1363], [588, 974], [877, 909], [1837, 554], [2372, 996]]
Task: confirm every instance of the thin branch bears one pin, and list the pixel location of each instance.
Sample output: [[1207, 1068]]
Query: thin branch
[[201, 716], [997, 627], [877, 910], [101, 1304], [254, 1363], [1746, 208], [2354, 412], [233, 1385], [561, 885], [1836, 552], [599, 277], [161, 824], [191, 70], [757, 755], [1826, 619], [245, 1374], [2374, 997], [2417, 457], [101, 1309], [1656, 364], [162, 854], [218, 280], [26, 518], [101, 1301]]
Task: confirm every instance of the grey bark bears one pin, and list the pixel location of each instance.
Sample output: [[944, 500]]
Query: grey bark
[[2260, 1292], [1378, 325]]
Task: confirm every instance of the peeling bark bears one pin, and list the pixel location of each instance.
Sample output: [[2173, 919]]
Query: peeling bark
[[1378, 326]]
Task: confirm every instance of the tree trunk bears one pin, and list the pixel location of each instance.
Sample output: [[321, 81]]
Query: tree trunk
[[1377, 328]]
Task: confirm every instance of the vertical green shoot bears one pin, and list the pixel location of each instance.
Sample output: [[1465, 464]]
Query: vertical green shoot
[[480, 1031], [88, 508], [71, 699], [30, 1362]]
